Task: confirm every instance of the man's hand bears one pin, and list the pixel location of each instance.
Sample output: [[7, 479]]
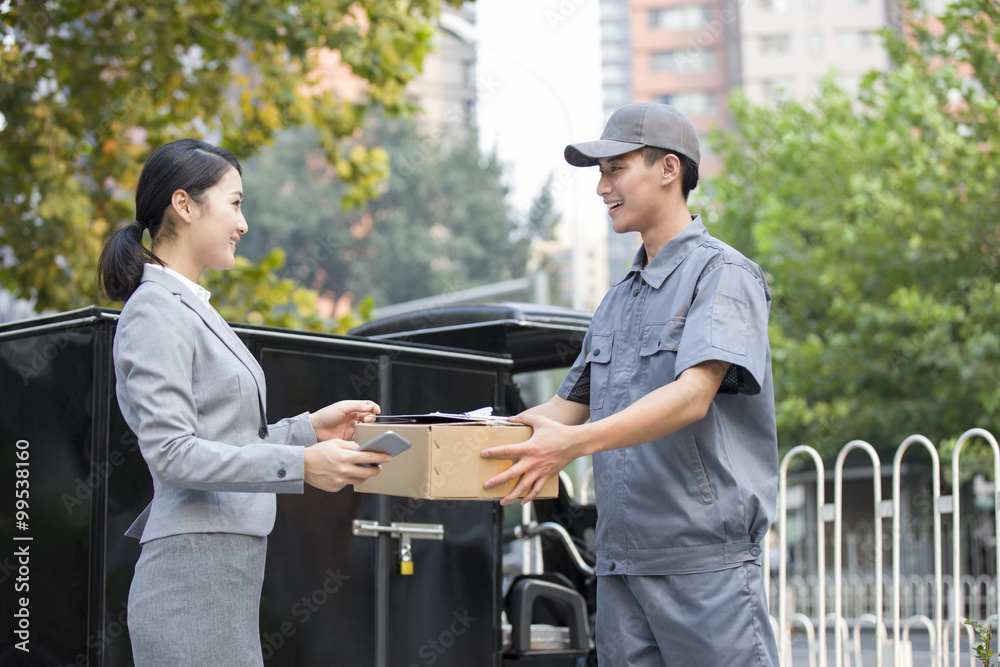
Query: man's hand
[[550, 449], [554, 443], [337, 421]]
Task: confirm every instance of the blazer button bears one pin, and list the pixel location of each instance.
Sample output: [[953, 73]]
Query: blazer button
[[262, 433], [281, 473], [611, 568], [755, 551]]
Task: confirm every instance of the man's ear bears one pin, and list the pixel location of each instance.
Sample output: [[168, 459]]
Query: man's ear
[[182, 205], [670, 169]]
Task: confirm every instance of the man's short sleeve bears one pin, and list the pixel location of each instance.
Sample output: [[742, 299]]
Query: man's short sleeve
[[727, 322], [576, 386]]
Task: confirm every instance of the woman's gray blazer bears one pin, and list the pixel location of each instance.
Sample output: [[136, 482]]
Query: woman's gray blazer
[[195, 396]]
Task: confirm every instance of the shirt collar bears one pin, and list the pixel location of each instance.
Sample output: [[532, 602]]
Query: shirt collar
[[203, 294], [670, 256]]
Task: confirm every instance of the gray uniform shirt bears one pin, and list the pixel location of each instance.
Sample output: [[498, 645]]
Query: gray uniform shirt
[[699, 499]]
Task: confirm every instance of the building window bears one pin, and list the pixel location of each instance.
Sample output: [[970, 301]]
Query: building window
[[614, 31], [773, 5], [615, 51], [692, 102], [777, 89], [770, 44], [678, 19], [934, 7], [814, 42], [850, 41], [471, 75], [617, 95], [849, 83], [814, 4], [848, 4], [688, 60], [615, 72], [614, 10]]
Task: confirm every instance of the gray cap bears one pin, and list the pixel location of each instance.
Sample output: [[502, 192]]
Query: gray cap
[[634, 126]]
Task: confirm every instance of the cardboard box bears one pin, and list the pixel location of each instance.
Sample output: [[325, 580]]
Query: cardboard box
[[443, 462]]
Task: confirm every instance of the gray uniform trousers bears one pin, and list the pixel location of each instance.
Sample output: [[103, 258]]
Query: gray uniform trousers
[[706, 620]]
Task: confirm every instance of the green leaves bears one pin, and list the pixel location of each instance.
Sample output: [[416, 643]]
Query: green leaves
[[88, 88], [255, 294], [875, 219], [983, 650], [440, 225]]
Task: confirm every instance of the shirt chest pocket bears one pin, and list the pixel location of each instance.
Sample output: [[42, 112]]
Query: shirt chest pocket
[[599, 359], [658, 353]]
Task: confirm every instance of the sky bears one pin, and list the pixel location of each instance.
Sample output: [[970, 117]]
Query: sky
[[539, 81]]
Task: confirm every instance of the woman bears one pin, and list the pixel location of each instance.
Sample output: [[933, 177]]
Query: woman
[[195, 397]]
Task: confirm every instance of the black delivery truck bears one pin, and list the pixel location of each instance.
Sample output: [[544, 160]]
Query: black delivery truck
[[335, 593]]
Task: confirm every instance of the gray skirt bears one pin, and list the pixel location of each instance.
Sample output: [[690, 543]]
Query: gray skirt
[[195, 600]]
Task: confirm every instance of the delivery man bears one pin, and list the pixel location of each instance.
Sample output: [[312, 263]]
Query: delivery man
[[675, 379]]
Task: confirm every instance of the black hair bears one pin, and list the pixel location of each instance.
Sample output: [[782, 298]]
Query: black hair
[[689, 169], [191, 165]]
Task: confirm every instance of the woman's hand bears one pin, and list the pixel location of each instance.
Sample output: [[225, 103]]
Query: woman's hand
[[333, 464], [337, 421]]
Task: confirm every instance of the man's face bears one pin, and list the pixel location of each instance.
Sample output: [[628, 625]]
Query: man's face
[[632, 191]]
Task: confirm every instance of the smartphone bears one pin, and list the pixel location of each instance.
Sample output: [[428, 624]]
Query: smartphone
[[390, 443]]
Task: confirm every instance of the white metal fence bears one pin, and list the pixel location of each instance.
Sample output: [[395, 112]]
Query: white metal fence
[[929, 600]]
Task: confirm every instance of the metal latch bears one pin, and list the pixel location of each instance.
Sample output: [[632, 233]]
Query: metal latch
[[405, 532]]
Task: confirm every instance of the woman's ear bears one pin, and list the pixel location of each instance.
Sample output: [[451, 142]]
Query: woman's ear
[[182, 205]]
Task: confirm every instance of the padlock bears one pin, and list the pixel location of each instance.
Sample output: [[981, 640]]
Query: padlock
[[405, 555]]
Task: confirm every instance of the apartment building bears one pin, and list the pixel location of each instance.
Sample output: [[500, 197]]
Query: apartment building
[[788, 46], [445, 89], [678, 52], [693, 53]]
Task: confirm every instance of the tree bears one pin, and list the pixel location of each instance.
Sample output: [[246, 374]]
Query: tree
[[540, 227], [442, 223], [875, 218], [456, 194], [89, 87], [542, 216]]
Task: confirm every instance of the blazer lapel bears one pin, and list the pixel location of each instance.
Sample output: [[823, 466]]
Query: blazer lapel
[[214, 322]]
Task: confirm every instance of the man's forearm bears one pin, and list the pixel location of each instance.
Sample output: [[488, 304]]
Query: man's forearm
[[660, 412], [560, 410]]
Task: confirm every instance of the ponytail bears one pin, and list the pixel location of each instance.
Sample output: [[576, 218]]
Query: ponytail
[[119, 270]]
